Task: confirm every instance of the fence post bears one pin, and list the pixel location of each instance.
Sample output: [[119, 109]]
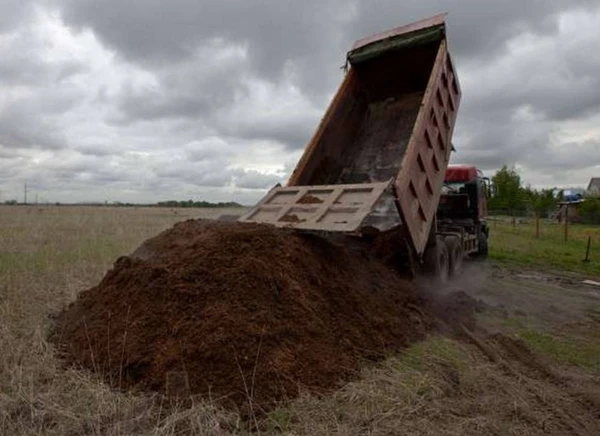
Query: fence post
[[587, 251], [566, 222]]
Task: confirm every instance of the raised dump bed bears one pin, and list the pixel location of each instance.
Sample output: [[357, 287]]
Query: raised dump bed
[[381, 150]]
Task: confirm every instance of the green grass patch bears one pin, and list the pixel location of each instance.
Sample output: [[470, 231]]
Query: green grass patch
[[403, 383], [433, 351], [519, 245], [512, 323], [584, 353], [423, 367]]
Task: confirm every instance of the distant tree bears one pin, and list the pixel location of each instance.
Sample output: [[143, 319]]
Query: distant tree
[[509, 194], [10, 202], [589, 209], [191, 203], [560, 196], [541, 202]]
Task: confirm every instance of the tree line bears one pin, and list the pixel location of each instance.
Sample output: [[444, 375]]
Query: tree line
[[191, 203], [509, 195], [168, 203]]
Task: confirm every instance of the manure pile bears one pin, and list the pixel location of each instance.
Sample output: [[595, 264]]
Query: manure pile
[[248, 315]]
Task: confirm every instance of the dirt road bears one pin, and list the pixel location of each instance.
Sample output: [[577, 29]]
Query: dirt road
[[545, 301], [529, 365], [540, 332]]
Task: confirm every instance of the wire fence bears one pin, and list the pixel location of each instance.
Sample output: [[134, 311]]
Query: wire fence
[[577, 213]]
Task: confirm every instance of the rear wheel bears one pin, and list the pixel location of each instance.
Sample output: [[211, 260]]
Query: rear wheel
[[455, 255], [436, 261], [482, 246]]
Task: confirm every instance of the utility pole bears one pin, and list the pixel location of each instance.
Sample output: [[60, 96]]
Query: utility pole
[[25, 193]]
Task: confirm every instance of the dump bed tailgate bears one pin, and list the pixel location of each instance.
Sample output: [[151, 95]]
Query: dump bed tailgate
[[335, 208], [392, 118]]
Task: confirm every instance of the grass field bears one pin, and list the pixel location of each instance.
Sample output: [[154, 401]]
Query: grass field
[[519, 245], [49, 254]]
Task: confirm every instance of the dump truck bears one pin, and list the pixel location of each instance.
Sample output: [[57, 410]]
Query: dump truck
[[379, 159]]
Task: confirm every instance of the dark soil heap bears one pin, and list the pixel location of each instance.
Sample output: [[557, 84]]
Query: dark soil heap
[[250, 314]]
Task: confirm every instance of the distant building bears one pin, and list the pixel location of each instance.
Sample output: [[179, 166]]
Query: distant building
[[594, 186], [572, 195], [568, 211]]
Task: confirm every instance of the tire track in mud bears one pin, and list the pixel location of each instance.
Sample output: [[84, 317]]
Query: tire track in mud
[[517, 362]]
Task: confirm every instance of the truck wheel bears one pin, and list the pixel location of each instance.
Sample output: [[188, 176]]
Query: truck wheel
[[482, 242], [436, 261], [455, 255]]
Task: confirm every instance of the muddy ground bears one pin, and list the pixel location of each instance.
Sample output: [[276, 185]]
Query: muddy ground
[[540, 335], [542, 300]]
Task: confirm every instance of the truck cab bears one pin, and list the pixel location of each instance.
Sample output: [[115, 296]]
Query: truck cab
[[463, 203]]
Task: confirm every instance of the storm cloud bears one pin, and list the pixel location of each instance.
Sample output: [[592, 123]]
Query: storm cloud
[[146, 100]]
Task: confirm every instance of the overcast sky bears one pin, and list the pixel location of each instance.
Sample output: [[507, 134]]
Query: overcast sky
[[147, 100]]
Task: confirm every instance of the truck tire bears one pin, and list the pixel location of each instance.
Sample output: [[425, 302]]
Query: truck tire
[[482, 246], [455, 255], [436, 261]]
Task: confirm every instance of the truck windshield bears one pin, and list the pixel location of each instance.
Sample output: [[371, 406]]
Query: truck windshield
[[454, 188]]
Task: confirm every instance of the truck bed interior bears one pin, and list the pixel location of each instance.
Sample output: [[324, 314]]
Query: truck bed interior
[[377, 111]]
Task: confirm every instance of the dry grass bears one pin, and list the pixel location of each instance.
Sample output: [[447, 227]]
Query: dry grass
[[48, 255], [442, 387]]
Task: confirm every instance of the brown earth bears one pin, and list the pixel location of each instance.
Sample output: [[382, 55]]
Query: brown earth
[[310, 199], [291, 218], [248, 315]]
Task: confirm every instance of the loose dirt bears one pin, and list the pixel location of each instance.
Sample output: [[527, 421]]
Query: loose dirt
[[291, 218], [248, 315], [544, 401], [310, 199]]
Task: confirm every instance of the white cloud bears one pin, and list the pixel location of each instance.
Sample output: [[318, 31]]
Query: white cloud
[[215, 100]]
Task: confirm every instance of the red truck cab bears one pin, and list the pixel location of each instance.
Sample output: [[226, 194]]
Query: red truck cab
[[464, 200]]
